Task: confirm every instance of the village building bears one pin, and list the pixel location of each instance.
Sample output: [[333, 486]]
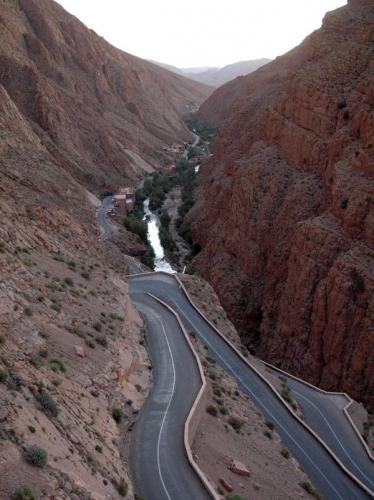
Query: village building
[[125, 197], [170, 169], [177, 148]]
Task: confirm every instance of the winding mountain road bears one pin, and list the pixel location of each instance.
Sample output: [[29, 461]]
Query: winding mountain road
[[160, 467], [323, 412], [324, 472]]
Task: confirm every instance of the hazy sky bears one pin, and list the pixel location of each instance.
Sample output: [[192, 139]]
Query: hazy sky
[[202, 32]]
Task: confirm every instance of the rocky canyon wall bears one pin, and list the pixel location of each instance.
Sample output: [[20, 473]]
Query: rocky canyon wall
[[284, 210]]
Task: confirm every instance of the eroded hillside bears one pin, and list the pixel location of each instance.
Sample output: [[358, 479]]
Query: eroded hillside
[[91, 105], [74, 113]]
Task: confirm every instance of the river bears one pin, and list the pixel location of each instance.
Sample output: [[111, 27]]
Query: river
[[153, 224]]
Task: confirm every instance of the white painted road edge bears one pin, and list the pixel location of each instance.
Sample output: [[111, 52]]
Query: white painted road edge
[[166, 411], [269, 384], [187, 443], [345, 409]]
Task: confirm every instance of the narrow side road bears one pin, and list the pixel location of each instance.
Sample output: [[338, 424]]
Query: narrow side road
[[195, 143], [159, 463], [106, 228]]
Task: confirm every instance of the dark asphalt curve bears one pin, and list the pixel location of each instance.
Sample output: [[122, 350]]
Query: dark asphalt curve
[[328, 478], [324, 413], [159, 463]]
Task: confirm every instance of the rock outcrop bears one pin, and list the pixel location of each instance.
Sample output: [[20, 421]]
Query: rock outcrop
[[284, 210]]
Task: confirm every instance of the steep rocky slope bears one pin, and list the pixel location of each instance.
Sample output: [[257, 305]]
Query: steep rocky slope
[[90, 104], [284, 210], [69, 338], [73, 112]]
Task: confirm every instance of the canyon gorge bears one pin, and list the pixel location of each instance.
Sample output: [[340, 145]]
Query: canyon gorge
[[279, 173]]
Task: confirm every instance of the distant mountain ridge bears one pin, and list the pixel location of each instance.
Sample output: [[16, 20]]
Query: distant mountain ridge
[[217, 76]]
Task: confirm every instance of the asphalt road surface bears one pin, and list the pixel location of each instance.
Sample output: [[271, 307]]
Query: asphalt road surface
[[323, 471], [324, 414], [101, 213], [195, 143], [159, 464]]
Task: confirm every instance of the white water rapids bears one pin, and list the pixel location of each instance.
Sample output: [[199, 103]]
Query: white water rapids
[[153, 225]]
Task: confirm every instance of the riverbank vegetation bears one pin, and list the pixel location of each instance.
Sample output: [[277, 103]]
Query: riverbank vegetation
[[134, 223], [158, 185]]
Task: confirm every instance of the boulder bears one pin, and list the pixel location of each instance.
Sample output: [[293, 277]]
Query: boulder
[[238, 468], [79, 351], [227, 486]]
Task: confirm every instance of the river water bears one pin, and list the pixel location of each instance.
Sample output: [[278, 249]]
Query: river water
[[153, 225]]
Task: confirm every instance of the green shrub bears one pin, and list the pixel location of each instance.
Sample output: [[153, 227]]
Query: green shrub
[[212, 410], [23, 494], [36, 361], [269, 424], [36, 456], [28, 311], [2, 339], [57, 365], [285, 453], [148, 259], [14, 381], [97, 326], [72, 265], [309, 489], [101, 341], [235, 423], [136, 226], [86, 275], [121, 487], [3, 375], [59, 257], [117, 415], [69, 281], [47, 403], [89, 343], [56, 306], [268, 434], [99, 448]]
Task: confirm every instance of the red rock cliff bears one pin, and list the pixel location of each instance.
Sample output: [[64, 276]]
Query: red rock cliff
[[284, 210]]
